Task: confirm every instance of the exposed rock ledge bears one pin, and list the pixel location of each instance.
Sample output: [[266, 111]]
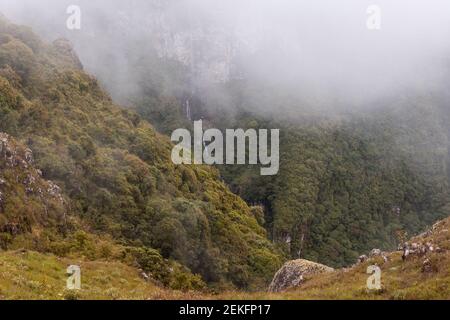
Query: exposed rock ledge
[[293, 273]]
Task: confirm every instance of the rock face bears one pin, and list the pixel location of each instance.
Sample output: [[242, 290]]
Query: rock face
[[26, 198], [293, 273]]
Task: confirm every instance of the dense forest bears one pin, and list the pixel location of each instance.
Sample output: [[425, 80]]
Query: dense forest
[[349, 181], [115, 171]]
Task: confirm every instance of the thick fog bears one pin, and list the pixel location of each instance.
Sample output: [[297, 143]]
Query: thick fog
[[319, 49]]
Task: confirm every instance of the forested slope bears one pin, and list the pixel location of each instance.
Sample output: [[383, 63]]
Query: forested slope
[[353, 183], [349, 181], [115, 171]]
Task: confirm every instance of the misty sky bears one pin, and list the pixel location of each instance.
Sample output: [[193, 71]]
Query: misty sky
[[320, 47]]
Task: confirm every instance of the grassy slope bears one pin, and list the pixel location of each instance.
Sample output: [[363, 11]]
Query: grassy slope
[[400, 280], [30, 275]]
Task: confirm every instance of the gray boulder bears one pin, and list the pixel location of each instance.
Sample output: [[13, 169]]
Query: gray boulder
[[293, 273]]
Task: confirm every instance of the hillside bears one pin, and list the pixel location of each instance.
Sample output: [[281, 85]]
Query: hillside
[[363, 158], [352, 176], [28, 203], [84, 181], [31, 275], [348, 182], [422, 276], [115, 173]]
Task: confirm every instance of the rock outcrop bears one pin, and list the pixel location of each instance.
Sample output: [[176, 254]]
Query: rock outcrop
[[293, 273], [374, 253], [424, 243], [26, 198]]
